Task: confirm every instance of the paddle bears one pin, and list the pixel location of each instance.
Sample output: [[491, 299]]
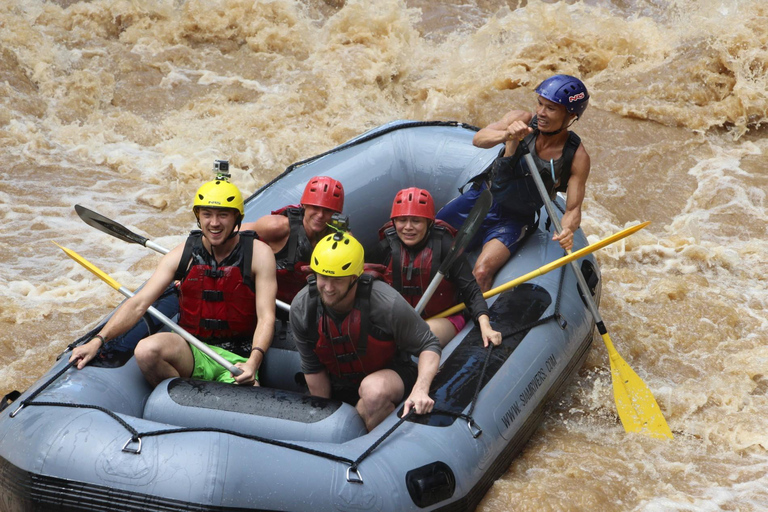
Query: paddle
[[152, 311], [635, 403], [548, 267], [475, 217], [111, 227], [117, 230]]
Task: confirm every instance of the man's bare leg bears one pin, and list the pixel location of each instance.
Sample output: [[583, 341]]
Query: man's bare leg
[[493, 256], [379, 392], [162, 356]]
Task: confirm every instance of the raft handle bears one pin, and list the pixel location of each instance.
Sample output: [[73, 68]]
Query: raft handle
[[354, 476], [131, 450], [474, 429]]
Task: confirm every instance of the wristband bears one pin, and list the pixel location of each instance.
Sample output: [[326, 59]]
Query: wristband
[[103, 340], [263, 354]]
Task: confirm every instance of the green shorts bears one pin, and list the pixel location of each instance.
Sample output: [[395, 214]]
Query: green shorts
[[208, 369]]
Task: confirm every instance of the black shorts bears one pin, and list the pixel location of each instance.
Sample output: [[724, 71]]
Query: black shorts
[[347, 391]]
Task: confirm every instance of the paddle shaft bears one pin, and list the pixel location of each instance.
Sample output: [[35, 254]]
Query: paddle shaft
[[559, 228], [202, 347], [465, 235]]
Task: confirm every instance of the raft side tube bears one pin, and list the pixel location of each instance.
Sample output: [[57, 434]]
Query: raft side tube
[[253, 410]]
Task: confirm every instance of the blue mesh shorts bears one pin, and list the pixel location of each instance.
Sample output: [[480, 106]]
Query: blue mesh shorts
[[507, 229]]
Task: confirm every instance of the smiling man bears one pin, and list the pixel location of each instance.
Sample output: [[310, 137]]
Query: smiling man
[[560, 158], [355, 336], [219, 269], [293, 231]]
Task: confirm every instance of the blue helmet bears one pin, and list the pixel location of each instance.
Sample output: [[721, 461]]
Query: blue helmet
[[565, 90]]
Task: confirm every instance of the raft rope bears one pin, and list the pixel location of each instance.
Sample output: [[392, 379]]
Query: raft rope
[[353, 472]]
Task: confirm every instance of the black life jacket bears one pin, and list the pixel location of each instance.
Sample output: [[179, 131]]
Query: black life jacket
[[513, 186]]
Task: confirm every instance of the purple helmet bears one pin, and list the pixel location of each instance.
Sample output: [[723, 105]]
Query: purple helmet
[[565, 90]]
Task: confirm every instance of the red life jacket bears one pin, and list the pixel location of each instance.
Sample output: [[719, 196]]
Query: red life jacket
[[357, 348], [217, 301], [411, 275], [294, 256]]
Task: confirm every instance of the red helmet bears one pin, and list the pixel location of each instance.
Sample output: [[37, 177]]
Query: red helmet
[[414, 202], [324, 192]]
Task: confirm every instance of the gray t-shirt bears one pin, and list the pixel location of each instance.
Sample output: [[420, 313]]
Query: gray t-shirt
[[389, 312]]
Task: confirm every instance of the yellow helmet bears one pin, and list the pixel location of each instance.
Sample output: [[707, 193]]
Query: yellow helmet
[[338, 255], [218, 193]]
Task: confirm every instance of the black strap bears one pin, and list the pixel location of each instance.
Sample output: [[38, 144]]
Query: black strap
[[214, 324], [213, 295], [571, 145], [397, 266], [363, 301], [314, 308], [186, 255], [246, 240], [296, 227], [436, 241]]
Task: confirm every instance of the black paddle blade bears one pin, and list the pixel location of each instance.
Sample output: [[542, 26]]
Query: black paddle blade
[[468, 230], [108, 226]]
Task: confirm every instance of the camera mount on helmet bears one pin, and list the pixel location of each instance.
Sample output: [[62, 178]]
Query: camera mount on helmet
[[221, 168]]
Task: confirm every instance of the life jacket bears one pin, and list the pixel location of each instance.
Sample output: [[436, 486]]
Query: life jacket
[[294, 255], [513, 186], [410, 274], [217, 301], [356, 348]]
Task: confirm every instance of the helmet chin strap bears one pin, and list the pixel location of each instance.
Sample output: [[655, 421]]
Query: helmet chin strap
[[564, 127], [349, 289]]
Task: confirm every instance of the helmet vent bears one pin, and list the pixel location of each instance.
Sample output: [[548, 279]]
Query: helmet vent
[[230, 199], [346, 266]]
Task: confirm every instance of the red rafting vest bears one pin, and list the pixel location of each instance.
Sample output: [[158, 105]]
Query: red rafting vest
[[411, 276], [294, 256], [357, 348], [217, 301]]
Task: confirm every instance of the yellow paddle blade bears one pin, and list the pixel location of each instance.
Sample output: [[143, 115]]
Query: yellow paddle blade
[[635, 403], [90, 266]]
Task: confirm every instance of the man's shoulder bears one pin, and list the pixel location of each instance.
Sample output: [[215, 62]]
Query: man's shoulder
[[381, 288]]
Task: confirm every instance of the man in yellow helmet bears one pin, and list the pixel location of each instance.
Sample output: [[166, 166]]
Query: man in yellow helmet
[[355, 335], [219, 269]]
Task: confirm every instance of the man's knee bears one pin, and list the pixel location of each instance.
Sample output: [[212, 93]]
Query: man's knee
[[374, 393], [484, 274], [148, 350]]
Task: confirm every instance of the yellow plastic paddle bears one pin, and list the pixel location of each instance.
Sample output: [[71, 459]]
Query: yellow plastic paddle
[[635, 403], [152, 311]]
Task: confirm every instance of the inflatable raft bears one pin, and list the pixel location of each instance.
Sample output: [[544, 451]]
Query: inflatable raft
[[102, 439]]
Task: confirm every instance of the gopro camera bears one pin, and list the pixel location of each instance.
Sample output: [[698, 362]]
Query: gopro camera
[[339, 222], [221, 168]]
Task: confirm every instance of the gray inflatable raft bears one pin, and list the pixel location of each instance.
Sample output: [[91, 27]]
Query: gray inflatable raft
[[102, 439]]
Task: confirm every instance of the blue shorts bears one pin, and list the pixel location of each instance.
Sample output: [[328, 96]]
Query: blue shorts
[[507, 229]]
